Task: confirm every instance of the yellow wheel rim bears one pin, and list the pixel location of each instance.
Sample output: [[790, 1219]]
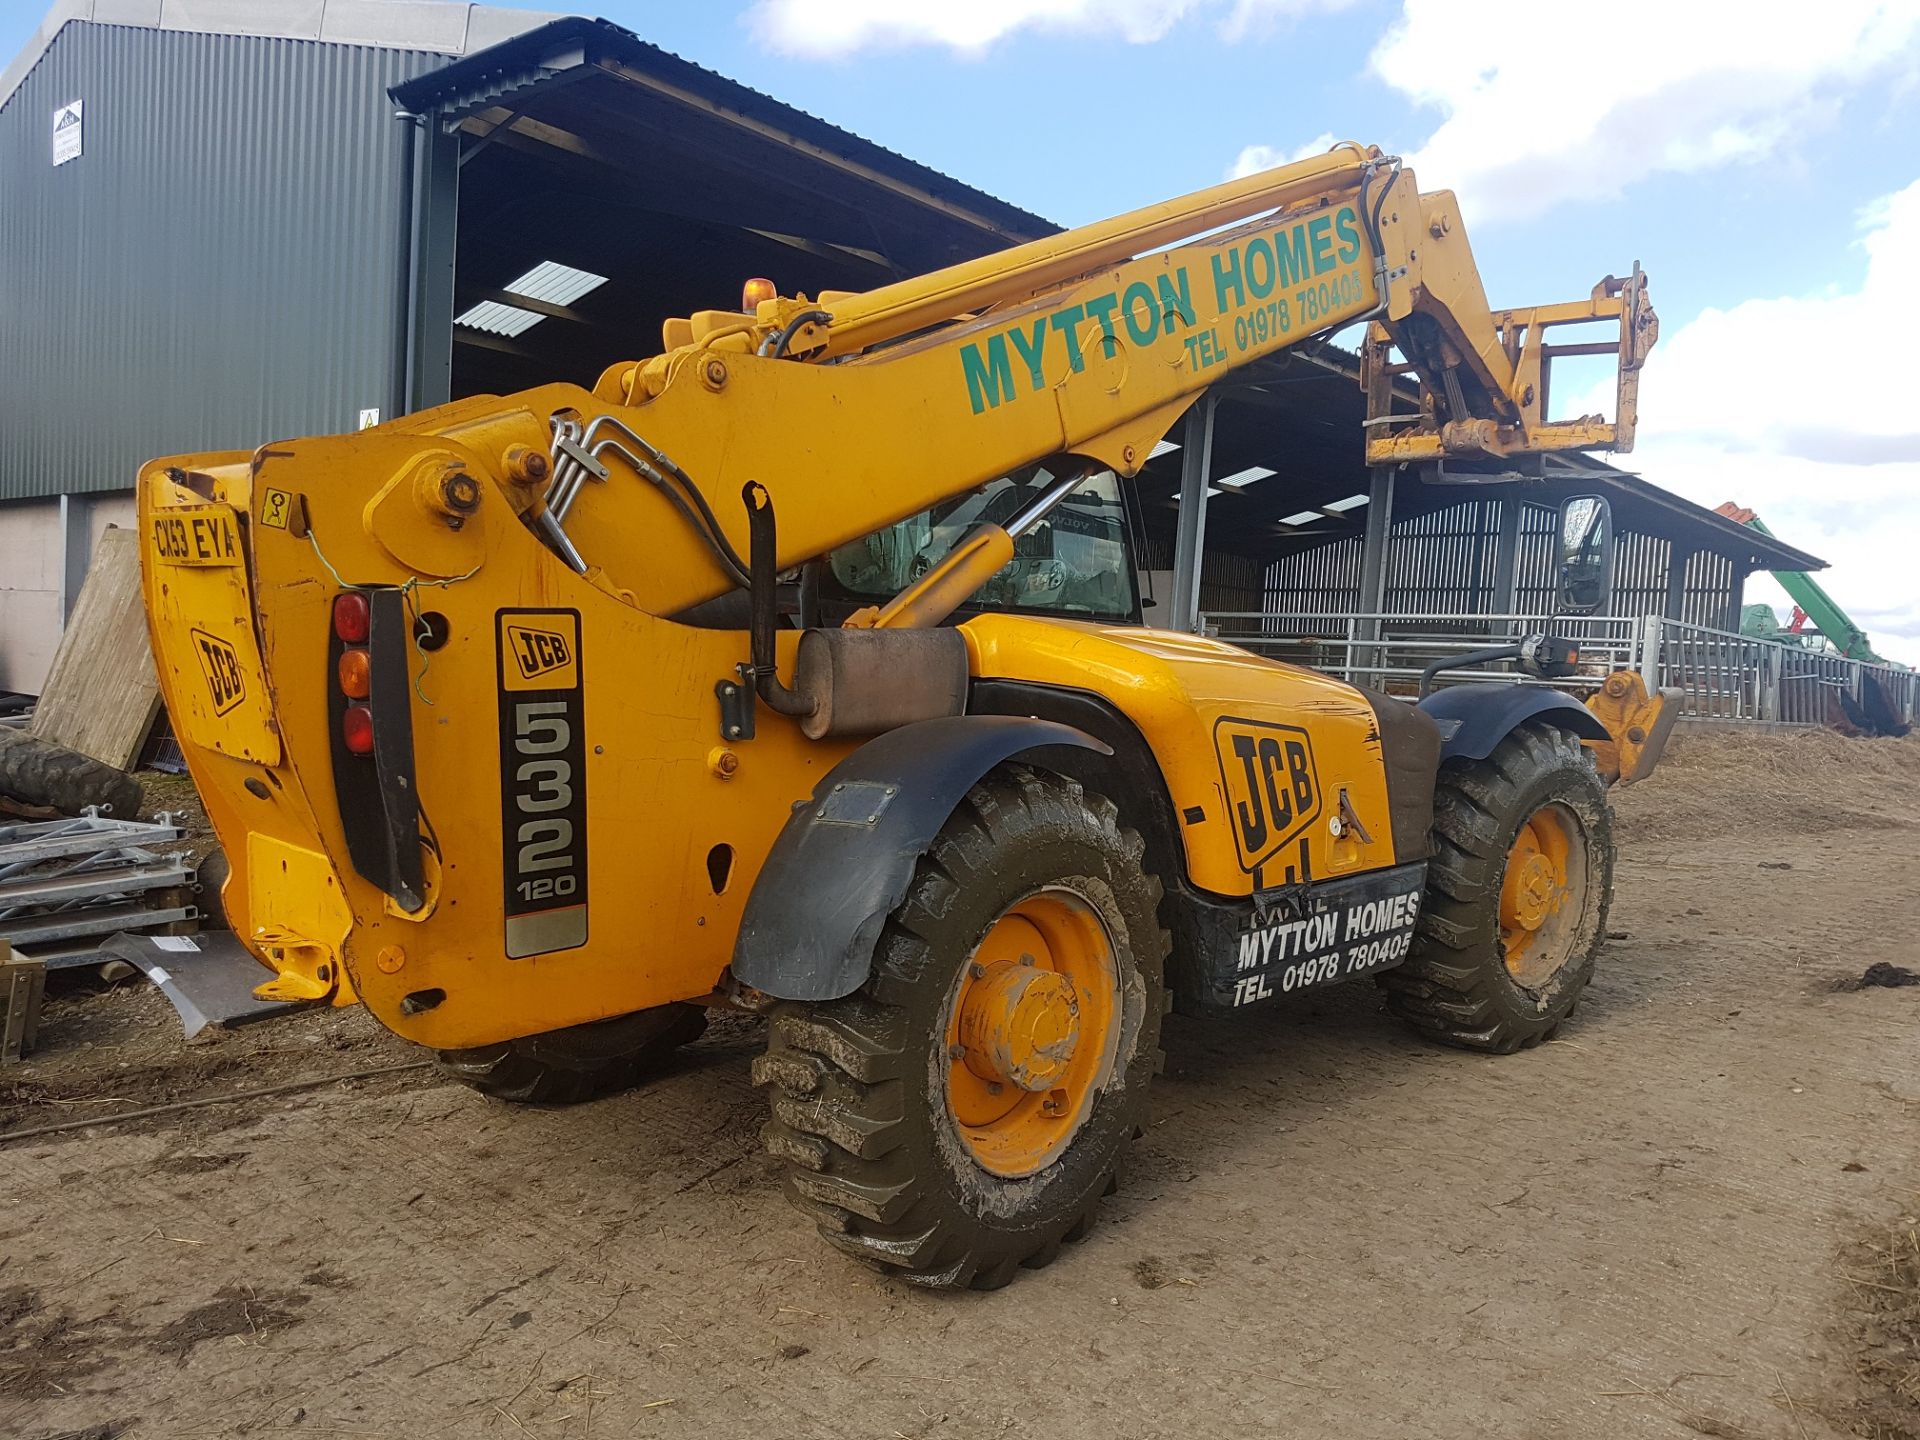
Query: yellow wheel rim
[[1543, 895], [1031, 1032]]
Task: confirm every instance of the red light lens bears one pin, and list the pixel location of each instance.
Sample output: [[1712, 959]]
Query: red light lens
[[356, 729], [350, 616]]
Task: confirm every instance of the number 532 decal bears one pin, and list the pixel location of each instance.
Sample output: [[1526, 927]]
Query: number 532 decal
[[543, 782]]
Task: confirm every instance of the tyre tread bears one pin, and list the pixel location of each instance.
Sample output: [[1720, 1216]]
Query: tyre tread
[[1454, 986], [854, 1162]]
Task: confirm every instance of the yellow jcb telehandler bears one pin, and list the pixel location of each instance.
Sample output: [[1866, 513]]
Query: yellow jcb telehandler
[[512, 732]]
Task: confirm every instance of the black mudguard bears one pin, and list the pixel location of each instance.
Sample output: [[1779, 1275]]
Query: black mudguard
[[1474, 719], [844, 860]]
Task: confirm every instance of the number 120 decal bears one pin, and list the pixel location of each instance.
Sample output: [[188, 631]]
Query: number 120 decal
[[543, 782]]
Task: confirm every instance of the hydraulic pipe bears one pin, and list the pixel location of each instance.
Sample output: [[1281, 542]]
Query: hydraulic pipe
[[760, 593]]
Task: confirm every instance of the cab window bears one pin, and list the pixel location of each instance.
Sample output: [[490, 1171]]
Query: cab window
[[1076, 562]]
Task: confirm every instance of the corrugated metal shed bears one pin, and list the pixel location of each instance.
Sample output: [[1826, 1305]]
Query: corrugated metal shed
[[220, 265], [223, 263], [578, 49]]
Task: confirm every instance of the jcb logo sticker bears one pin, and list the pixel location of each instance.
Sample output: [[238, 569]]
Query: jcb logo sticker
[[226, 681], [1272, 789], [545, 652]]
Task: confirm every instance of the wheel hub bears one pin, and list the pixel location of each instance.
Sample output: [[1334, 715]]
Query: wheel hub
[[1542, 896], [1534, 891], [1032, 1032], [1020, 1025]]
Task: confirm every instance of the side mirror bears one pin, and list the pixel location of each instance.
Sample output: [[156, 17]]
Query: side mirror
[[1586, 556]]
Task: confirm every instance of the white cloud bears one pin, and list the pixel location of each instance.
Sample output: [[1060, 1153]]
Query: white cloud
[[1255, 158], [1796, 407], [830, 29], [1543, 103]]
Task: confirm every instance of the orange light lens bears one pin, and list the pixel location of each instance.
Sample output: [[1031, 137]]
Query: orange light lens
[[356, 674], [754, 292]]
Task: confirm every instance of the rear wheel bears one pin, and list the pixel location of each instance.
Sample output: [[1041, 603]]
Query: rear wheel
[[37, 772], [964, 1111], [1518, 888], [564, 1067]]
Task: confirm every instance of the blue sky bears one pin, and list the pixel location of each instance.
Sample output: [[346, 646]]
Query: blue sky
[[1756, 159]]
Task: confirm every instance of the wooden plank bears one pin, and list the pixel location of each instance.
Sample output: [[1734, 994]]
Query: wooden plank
[[102, 694]]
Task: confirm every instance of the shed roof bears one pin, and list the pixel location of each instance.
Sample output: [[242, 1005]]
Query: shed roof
[[526, 72], [439, 26], [1290, 473]]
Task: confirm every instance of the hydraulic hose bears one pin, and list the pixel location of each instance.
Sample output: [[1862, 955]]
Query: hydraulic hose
[[774, 347], [1464, 662], [760, 595]]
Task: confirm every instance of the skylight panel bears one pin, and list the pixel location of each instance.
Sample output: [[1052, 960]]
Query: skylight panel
[[1245, 477], [498, 319], [550, 281], [555, 283]]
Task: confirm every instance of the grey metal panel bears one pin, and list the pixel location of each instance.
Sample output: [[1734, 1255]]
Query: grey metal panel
[[1440, 563], [222, 265], [443, 25]]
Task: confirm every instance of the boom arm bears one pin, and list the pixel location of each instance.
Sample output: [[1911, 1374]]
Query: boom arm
[[856, 410], [1819, 607]]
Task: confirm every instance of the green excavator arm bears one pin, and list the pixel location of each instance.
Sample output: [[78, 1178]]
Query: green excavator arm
[[1831, 621]]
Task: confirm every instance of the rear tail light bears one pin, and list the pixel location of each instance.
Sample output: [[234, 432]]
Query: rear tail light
[[356, 674], [350, 617], [356, 729], [353, 671]]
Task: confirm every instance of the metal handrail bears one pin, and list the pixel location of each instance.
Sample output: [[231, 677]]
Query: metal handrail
[[1720, 674]]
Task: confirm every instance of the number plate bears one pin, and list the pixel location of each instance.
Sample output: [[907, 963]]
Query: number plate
[[543, 781], [198, 536], [1326, 932]]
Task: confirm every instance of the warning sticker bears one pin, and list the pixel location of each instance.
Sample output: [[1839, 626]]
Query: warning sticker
[[276, 508], [66, 133]]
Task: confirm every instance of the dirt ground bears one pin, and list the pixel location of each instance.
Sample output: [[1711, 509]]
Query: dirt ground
[[1694, 1214]]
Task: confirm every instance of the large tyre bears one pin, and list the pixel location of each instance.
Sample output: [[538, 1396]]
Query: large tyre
[[964, 1111], [564, 1067], [37, 772], [210, 876], [1518, 888]]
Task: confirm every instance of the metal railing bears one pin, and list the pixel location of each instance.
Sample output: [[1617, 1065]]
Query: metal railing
[[1721, 675], [1724, 676], [1389, 651]]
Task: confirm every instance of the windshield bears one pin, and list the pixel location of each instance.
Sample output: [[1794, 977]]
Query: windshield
[[1074, 562]]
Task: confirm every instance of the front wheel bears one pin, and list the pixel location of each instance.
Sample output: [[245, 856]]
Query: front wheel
[[1518, 887], [964, 1111]]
